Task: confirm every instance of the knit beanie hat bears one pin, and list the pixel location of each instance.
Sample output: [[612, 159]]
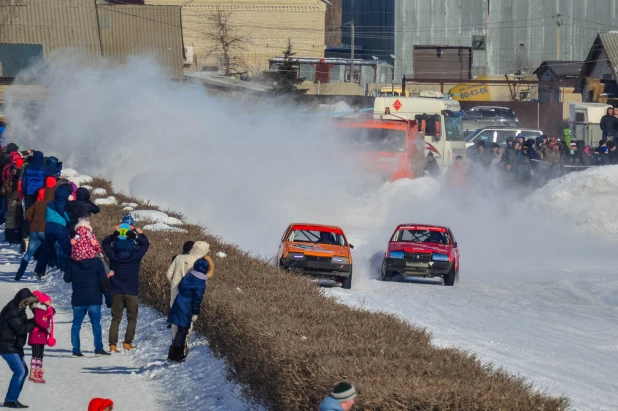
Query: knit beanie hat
[[128, 219], [99, 404], [344, 392], [43, 298]]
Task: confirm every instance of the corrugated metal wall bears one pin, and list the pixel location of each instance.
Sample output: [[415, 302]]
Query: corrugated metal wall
[[143, 30], [442, 63], [54, 24], [506, 24], [374, 23]]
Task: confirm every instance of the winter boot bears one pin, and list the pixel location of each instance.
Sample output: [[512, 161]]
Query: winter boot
[[175, 354], [127, 346], [33, 375], [40, 375], [21, 270], [113, 349]]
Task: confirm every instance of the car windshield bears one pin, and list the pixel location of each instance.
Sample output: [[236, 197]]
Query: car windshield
[[374, 139], [531, 134], [316, 237], [472, 134], [454, 128], [421, 236]]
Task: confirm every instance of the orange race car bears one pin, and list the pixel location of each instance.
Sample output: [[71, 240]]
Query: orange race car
[[317, 250]]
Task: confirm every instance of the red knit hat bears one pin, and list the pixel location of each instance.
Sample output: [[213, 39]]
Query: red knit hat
[[43, 298], [99, 404]]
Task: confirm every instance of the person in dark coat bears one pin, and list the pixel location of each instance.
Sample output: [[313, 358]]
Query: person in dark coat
[[125, 261], [56, 222], [607, 123], [187, 304], [14, 329], [612, 153], [34, 178], [53, 166], [90, 287], [81, 207], [431, 166]]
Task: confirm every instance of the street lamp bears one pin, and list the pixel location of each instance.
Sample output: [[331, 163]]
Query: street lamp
[[394, 65], [377, 68]]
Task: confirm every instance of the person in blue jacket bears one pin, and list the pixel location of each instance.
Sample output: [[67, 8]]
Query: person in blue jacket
[[342, 398], [34, 178], [54, 167], [56, 222], [187, 304]]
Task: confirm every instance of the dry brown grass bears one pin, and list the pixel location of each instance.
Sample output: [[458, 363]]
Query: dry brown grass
[[287, 344]]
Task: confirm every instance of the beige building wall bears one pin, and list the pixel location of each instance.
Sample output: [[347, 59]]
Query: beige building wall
[[266, 26], [54, 24], [154, 31]]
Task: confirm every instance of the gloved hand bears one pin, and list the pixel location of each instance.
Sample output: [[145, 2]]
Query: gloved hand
[[194, 318]]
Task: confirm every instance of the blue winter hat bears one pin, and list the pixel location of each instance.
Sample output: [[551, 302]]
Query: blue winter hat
[[128, 219], [123, 229], [201, 265]]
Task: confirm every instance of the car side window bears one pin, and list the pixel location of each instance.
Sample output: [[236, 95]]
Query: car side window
[[503, 135], [472, 115], [486, 136], [285, 233], [489, 114]]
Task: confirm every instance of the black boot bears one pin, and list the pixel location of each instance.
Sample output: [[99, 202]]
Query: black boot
[[175, 354]]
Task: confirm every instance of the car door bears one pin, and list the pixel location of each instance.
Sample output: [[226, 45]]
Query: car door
[[282, 242], [502, 135]]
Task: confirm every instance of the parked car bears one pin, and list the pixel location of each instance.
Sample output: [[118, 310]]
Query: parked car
[[319, 251], [499, 135], [489, 116], [422, 251]]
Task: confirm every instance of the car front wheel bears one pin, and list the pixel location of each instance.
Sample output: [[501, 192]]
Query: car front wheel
[[451, 278], [347, 283], [386, 275]]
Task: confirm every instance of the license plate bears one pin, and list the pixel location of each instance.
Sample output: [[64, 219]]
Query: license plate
[[417, 265]]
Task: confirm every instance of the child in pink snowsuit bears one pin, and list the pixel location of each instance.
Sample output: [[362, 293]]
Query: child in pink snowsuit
[[41, 335], [86, 245]]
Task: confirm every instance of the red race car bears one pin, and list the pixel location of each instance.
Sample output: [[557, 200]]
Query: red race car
[[422, 251]]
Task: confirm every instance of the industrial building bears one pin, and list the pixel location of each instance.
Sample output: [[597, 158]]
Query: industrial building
[[264, 27], [506, 36], [36, 29]]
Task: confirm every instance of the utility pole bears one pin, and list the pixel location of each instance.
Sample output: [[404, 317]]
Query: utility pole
[[558, 24], [351, 23]]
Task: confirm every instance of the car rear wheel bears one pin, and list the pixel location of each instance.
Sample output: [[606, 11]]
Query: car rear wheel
[[386, 275], [347, 283], [451, 278]]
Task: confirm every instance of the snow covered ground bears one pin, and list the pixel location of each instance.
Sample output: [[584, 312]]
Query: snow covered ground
[[139, 380]]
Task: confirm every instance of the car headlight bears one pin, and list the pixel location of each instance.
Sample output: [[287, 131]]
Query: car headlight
[[396, 254], [341, 260], [439, 257], [295, 255]]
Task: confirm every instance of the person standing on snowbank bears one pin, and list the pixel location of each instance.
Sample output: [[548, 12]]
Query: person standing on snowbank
[[125, 261], [187, 305], [181, 265], [341, 399], [90, 286], [41, 335], [14, 329]]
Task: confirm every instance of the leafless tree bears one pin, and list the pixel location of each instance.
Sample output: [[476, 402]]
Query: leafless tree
[[523, 65], [226, 41]]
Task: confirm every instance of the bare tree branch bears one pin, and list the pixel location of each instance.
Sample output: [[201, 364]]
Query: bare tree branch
[[226, 41]]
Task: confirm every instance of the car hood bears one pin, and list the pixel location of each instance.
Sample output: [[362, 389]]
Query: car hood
[[318, 249], [420, 247]]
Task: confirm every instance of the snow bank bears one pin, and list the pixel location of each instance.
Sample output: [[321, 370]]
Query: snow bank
[[169, 221], [149, 215], [129, 209], [221, 254], [99, 192], [111, 200], [163, 227], [80, 179], [132, 205], [586, 199], [89, 188], [69, 172]]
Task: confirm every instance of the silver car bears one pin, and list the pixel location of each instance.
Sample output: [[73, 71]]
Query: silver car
[[499, 135], [489, 116]]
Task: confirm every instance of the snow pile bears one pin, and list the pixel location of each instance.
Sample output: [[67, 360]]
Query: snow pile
[[89, 188], [99, 192], [148, 215], [169, 221], [132, 205], [586, 199], [69, 172], [129, 209], [163, 227], [111, 200], [221, 254], [80, 179]]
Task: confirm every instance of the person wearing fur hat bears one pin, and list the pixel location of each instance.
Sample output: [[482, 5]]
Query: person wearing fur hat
[[41, 335], [181, 265], [125, 249], [187, 304], [341, 398], [14, 329], [101, 404]]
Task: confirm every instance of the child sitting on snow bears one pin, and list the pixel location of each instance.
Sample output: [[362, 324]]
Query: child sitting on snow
[[41, 335], [85, 244]]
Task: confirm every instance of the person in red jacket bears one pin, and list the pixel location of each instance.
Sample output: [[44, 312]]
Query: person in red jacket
[[456, 178], [101, 404], [41, 335]]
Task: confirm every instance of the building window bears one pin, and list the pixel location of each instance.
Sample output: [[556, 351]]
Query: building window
[[478, 42], [356, 74]]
